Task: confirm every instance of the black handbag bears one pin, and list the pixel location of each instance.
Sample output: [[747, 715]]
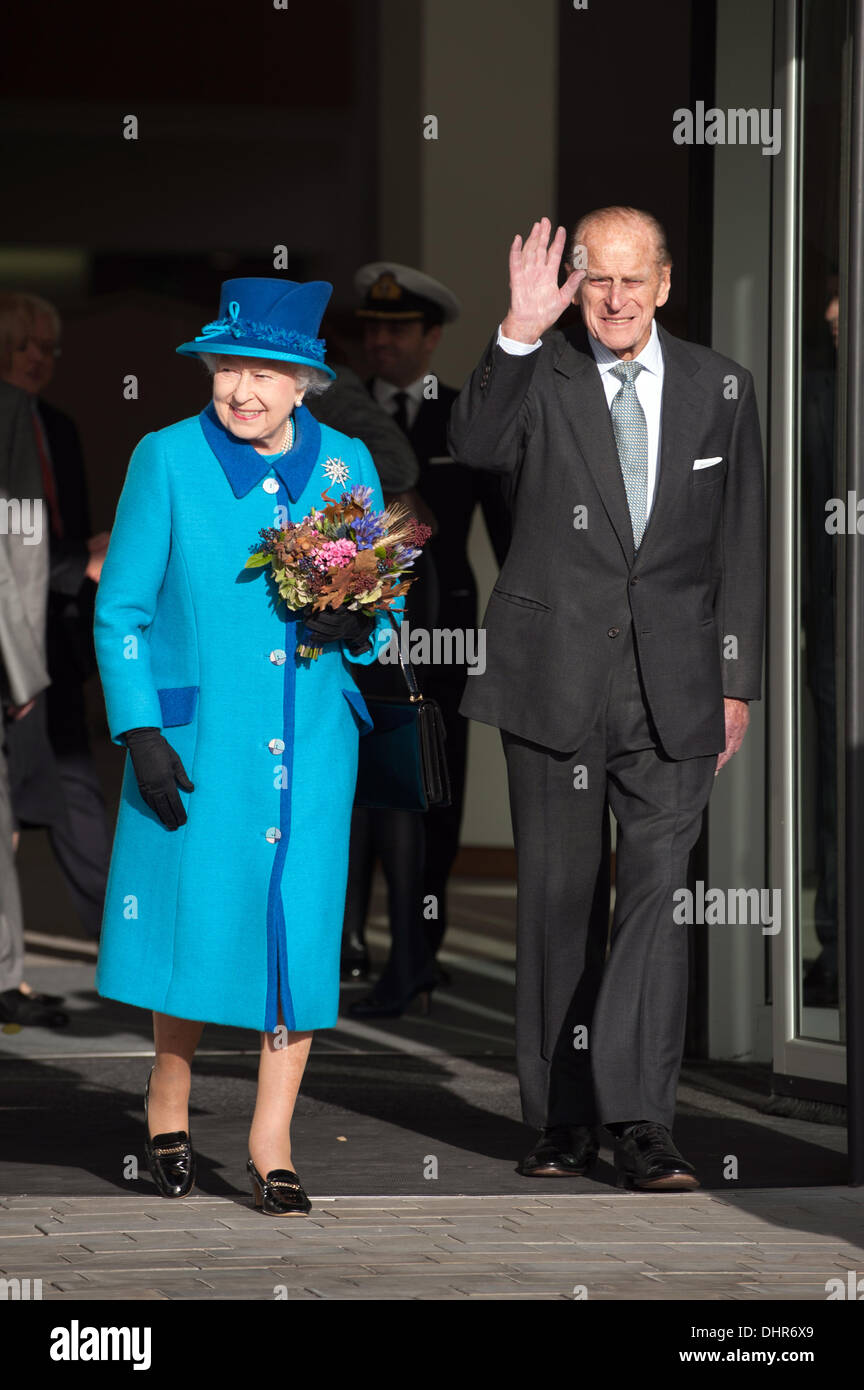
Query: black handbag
[[402, 762]]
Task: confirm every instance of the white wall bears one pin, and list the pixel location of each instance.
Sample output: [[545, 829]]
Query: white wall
[[481, 181]]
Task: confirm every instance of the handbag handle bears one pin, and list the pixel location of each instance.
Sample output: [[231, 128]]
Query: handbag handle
[[414, 692]]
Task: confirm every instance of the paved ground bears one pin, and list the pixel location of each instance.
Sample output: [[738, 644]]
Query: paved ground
[[407, 1136], [779, 1245]]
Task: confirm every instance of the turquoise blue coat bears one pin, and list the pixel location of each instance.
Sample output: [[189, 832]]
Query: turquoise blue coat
[[240, 909]]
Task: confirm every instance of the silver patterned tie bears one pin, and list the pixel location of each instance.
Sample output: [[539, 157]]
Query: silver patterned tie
[[631, 436]]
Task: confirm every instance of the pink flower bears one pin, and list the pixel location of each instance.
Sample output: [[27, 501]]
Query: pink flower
[[338, 553]]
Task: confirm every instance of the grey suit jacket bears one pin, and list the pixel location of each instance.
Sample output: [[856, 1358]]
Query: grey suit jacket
[[24, 566], [570, 584]]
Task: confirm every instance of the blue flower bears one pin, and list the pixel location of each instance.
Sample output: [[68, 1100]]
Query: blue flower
[[368, 530], [405, 554], [360, 493]]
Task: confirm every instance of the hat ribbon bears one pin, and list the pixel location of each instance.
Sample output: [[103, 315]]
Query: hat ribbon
[[220, 326], [287, 338]]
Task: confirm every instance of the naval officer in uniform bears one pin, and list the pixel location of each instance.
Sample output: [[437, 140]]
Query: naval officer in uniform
[[404, 312]]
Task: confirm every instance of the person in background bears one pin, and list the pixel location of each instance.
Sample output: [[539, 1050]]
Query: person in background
[[23, 675], [396, 838], [820, 986], [53, 777], [403, 312]]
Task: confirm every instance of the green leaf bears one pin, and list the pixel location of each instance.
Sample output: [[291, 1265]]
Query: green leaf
[[256, 560]]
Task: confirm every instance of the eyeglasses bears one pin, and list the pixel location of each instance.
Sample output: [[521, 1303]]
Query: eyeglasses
[[46, 346]]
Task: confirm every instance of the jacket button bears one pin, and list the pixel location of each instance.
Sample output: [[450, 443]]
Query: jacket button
[[635, 579], [277, 656], [273, 834], [270, 485], [613, 632], [276, 745]]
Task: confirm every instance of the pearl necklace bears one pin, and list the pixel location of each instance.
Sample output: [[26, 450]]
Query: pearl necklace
[[288, 437]]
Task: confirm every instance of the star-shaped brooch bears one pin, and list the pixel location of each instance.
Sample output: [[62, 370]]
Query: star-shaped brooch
[[336, 471]]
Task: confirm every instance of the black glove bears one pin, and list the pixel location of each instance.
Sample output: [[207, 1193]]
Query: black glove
[[340, 625], [159, 772]]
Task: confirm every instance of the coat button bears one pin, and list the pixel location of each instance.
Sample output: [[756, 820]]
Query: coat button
[[613, 632], [277, 656], [276, 745], [273, 834], [270, 485]]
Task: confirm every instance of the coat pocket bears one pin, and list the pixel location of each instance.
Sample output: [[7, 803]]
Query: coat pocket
[[704, 477], [178, 703], [359, 709], [522, 600]]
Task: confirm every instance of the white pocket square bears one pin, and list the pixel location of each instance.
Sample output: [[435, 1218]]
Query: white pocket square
[[707, 463]]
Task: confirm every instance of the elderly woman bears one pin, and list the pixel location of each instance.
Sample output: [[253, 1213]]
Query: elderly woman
[[227, 883]]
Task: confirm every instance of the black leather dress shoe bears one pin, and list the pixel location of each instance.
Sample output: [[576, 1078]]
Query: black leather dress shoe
[[561, 1151], [647, 1159], [280, 1193], [36, 1010], [170, 1159], [380, 1006]]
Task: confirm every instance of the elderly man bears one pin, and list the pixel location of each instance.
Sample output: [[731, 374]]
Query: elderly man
[[624, 641], [53, 777]]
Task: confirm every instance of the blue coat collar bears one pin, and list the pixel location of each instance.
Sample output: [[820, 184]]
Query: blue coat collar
[[244, 467]]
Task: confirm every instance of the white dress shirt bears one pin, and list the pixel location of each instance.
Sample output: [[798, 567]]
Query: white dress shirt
[[384, 393], [649, 389]]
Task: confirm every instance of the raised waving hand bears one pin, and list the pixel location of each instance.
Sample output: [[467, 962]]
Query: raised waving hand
[[536, 299]]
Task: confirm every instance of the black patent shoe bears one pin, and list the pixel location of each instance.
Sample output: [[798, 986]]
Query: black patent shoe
[[280, 1193], [646, 1159], [170, 1158], [561, 1151]]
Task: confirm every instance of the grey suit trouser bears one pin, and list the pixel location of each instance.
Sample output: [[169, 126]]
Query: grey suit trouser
[[599, 1037], [11, 919]]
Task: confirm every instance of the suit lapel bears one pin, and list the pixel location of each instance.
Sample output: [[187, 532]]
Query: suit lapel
[[583, 402], [682, 404]]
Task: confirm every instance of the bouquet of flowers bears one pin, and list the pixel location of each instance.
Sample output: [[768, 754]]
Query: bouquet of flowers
[[345, 555]]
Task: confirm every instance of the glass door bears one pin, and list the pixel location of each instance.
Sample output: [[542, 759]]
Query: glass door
[[809, 526]]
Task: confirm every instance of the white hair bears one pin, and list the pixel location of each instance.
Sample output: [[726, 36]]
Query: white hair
[[19, 312], [310, 380]]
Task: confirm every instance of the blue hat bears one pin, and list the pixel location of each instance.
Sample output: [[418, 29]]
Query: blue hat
[[258, 317]]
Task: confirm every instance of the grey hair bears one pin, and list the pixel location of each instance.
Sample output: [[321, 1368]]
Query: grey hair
[[18, 314], [310, 380]]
